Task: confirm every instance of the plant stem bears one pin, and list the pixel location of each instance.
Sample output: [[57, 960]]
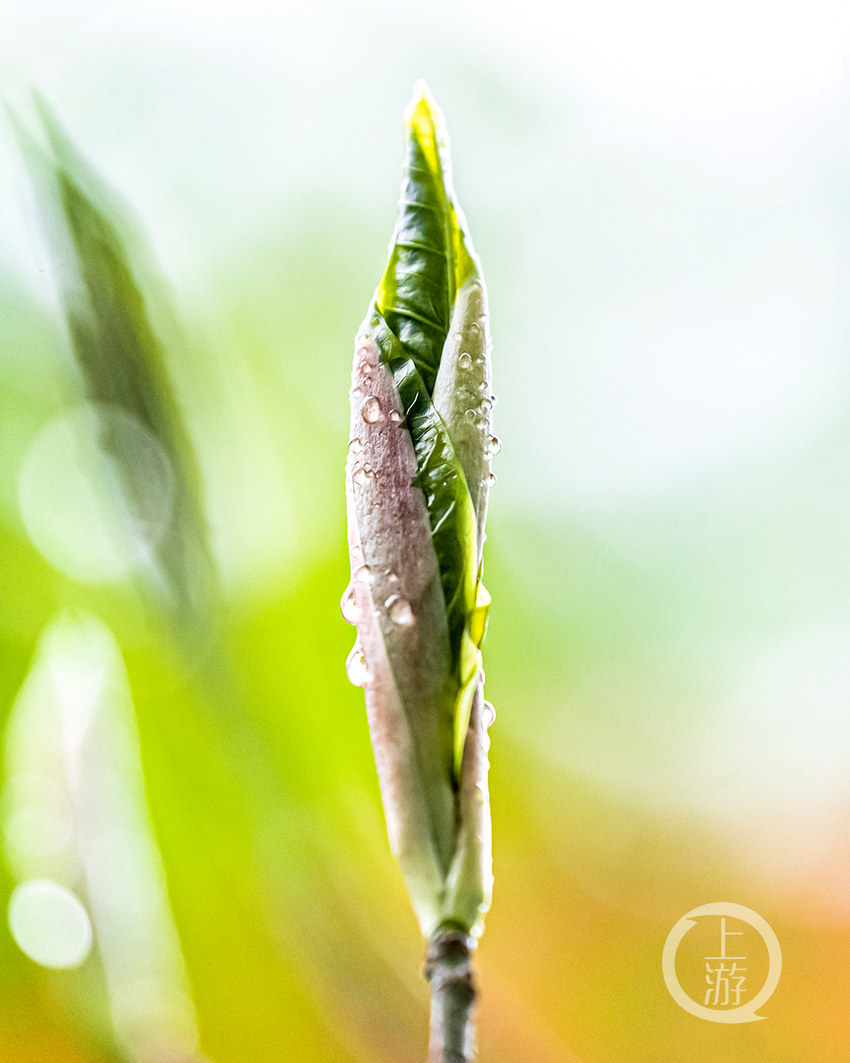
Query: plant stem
[[448, 967]]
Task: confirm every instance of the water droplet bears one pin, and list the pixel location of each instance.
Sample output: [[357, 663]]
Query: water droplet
[[363, 574], [465, 361], [475, 329], [354, 445], [399, 611], [391, 577], [491, 479], [480, 794], [493, 400], [348, 605], [495, 446], [361, 475], [363, 353], [395, 417], [471, 416], [488, 714], [370, 411], [356, 669], [356, 393]]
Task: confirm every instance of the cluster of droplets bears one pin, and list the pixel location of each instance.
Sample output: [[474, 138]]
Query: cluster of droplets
[[481, 401], [397, 608], [371, 410]]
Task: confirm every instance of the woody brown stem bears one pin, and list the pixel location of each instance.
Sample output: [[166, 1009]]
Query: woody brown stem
[[448, 967]]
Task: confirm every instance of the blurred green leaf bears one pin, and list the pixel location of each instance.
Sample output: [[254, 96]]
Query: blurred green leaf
[[121, 359]]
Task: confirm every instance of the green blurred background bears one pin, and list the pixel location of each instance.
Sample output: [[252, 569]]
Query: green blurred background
[[660, 197]]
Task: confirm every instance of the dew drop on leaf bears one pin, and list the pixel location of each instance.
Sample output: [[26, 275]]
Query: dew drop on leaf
[[495, 446], [399, 611], [489, 714], [363, 574], [355, 668], [491, 479], [370, 411], [395, 417], [349, 606], [465, 361]]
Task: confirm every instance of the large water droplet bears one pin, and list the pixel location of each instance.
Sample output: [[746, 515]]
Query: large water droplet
[[471, 416], [488, 714], [495, 446], [465, 361], [363, 574], [361, 475], [354, 445], [399, 611], [356, 669], [491, 479], [349, 606], [370, 411], [395, 417]]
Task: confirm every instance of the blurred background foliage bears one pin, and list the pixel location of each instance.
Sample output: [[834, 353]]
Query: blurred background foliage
[[660, 196]]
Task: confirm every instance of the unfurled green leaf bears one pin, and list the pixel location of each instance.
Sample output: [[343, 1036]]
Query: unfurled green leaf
[[430, 312]]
